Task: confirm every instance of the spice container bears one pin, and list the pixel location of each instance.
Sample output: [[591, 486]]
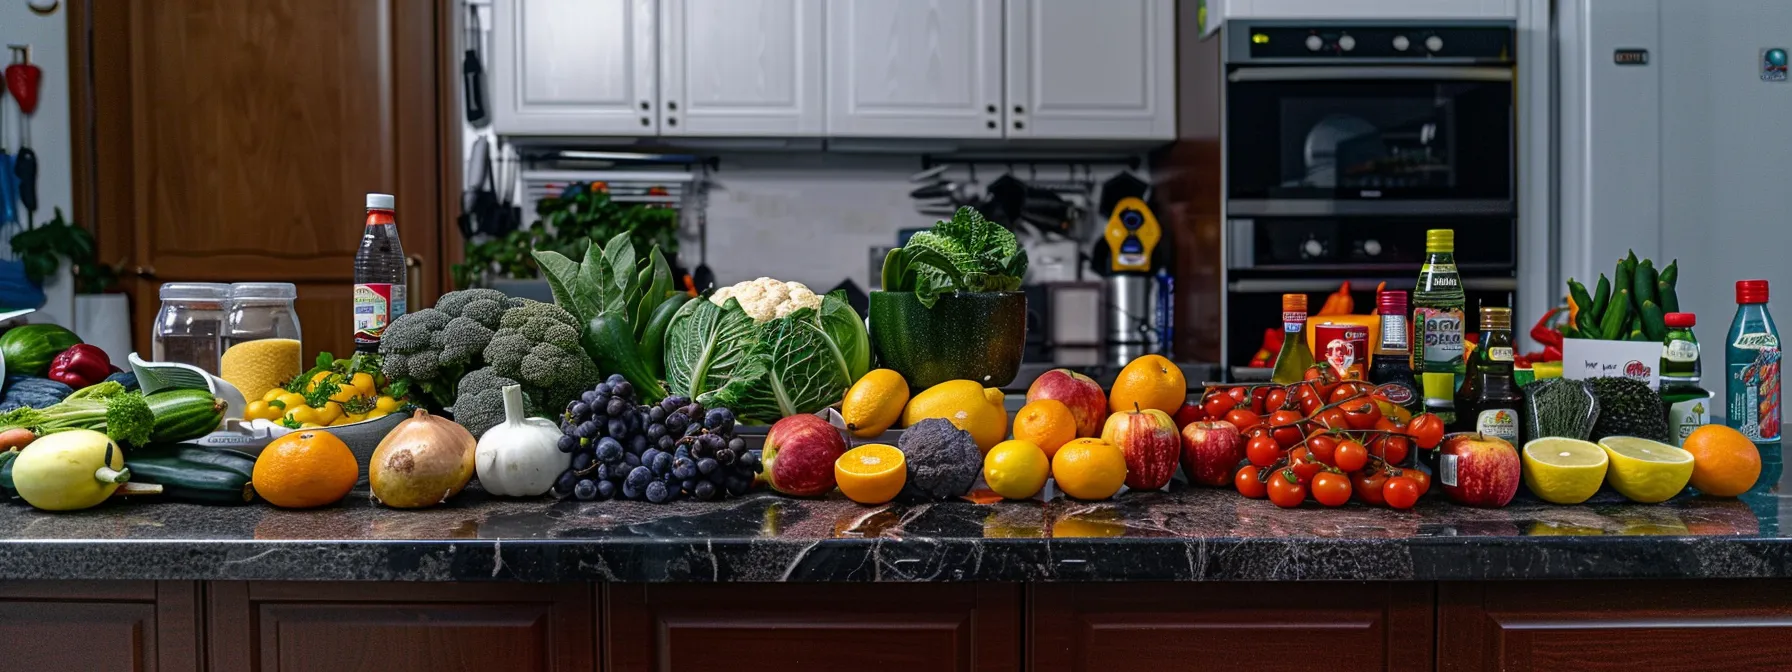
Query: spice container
[[261, 338], [190, 325]]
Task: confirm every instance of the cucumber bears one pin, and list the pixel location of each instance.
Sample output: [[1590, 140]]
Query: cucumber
[[1611, 324], [1602, 297], [1578, 292], [222, 458], [1643, 288], [1654, 321], [1670, 301], [653, 339], [187, 481], [184, 414], [610, 340]]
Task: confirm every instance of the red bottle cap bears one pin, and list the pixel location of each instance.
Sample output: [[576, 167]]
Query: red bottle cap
[[1391, 302], [1680, 320], [1751, 291]]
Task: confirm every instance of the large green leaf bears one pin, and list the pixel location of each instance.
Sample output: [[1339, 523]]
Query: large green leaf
[[707, 346], [846, 334], [619, 257]]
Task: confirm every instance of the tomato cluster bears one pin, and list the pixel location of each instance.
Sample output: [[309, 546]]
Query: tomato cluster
[[1323, 438]]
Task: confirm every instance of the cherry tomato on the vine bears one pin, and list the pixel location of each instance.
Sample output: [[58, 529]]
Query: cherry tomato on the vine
[[1304, 464], [1348, 389], [1243, 418], [1322, 445], [1392, 447], [1262, 451], [1285, 490], [1350, 455], [1419, 478], [1259, 395], [1276, 400], [1361, 414], [1331, 418], [1241, 395], [1248, 485], [1285, 425], [1426, 430], [1310, 404], [1368, 486], [1400, 492], [1217, 406], [1331, 488]]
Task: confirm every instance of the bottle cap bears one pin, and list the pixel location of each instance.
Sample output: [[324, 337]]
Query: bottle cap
[[1440, 240], [1751, 291], [1391, 302], [1680, 320], [380, 202], [1294, 303], [1499, 319]]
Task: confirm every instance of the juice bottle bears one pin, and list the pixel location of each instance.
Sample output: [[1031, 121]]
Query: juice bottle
[[1687, 404], [1752, 376], [1437, 323], [379, 274], [1295, 358]]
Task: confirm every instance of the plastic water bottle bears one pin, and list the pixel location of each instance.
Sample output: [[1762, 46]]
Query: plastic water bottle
[[379, 274]]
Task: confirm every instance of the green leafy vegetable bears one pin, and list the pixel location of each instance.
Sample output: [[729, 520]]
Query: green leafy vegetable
[[966, 254], [612, 292], [800, 363]]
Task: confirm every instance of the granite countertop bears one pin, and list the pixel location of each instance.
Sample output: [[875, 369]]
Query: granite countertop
[[1187, 535]]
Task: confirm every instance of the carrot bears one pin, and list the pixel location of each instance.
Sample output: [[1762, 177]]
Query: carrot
[[15, 438]]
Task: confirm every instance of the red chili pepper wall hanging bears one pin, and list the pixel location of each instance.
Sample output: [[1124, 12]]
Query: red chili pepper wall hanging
[[23, 78]]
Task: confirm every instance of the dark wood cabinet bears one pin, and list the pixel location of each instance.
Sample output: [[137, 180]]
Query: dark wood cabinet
[[124, 625], [1661, 626], [1230, 626], [818, 627], [338, 627]]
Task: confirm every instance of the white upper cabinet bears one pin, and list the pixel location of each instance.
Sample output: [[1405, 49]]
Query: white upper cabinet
[[914, 68], [1092, 70], [741, 68], [574, 67]]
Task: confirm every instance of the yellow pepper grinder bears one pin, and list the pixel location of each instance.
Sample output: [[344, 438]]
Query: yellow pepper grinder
[[1132, 235]]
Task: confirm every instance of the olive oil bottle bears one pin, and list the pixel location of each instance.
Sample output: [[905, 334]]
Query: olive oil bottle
[[1437, 324], [1295, 358]]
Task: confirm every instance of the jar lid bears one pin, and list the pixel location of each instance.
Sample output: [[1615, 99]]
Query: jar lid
[[264, 290], [194, 291], [1391, 302], [1680, 320], [1751, 291]]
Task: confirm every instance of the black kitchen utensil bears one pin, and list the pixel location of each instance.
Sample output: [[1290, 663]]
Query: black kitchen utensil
[[472, 73], [1120, 186]]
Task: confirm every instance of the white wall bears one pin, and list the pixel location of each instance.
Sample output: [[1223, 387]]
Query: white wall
[[48, 37]]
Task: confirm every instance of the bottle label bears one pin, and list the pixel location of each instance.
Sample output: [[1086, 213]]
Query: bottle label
[[1754, 386], [1680, 351], [1434, 277], [1499, 354], [1293, 322], [1500, 422], [1446, 469], [1397, 393], [1688, 415], [1345, 346], [1440, 339], [376, 305]]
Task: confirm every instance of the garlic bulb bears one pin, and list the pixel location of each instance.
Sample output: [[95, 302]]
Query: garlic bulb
[[520, 457]]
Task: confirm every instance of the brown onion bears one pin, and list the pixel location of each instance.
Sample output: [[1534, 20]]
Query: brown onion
[[422, 462]]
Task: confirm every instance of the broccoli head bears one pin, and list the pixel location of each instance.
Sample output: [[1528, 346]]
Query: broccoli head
[[943, 460], [537, 345], [434, 346], [479, 400]]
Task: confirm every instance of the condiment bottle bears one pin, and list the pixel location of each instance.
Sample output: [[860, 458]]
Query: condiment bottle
[[1752, 357], [1688, 405], [1391, 368], [1489, 400], [1437, 321], [379, 274], [1295, 358]]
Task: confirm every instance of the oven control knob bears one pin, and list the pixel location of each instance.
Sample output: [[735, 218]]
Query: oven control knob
[[1314, 43], [1401, 43], [1312, 249], [1372, 247], [1346, 43], [1434, 43]]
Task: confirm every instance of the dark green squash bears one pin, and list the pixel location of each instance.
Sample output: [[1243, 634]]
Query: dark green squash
[[969, 336]]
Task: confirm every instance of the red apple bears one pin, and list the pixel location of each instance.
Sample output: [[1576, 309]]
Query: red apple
[[1148, 440], [1211, 450], [799, 456], [1478, 470], [1191, 411], [1088, 404]]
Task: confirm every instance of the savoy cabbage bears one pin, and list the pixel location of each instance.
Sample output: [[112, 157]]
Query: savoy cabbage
[[800, 363]]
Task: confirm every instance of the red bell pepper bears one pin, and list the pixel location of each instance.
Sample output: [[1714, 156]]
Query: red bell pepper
[[80, 366], [1542, 333]]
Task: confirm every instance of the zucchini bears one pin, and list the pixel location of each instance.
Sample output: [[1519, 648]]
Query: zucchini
[[653, 339], [223, 458], [184, 414], [187, 481], [1644, 283]]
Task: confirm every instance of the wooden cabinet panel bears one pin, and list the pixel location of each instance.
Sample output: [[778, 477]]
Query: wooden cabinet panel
[[1663, 626], [292, 627], [138, 625], [915, 68], [1230, 626], [797, 627]]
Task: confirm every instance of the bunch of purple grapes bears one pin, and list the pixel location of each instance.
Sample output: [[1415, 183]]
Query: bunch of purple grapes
[[654, 453]]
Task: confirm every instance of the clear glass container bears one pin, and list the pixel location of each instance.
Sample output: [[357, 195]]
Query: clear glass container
[[190, 324], [262, 348]]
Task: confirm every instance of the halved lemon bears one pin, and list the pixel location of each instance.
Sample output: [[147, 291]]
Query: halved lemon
[[871, 474], [1562, 470], [1646, 471]]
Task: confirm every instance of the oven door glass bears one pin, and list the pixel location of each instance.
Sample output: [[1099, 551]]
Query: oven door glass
[[1368, 132]]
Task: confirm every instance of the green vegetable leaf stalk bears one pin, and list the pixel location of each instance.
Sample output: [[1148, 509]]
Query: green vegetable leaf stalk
[[964, 254], [613, 293], [107, 407]]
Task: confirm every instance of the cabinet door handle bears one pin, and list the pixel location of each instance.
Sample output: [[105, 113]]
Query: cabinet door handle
[[148, 272], [646, 122], [991, 109], [1018, 110], [672, 105], [413, 281], [645, 106]]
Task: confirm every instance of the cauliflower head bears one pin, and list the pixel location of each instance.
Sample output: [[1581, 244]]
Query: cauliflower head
[[767, 299]]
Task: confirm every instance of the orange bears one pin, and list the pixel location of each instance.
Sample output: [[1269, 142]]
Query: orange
[[305, 469], [1089, 469], [871, 474], [1725, 463], [1046, 423], [1148, 382]]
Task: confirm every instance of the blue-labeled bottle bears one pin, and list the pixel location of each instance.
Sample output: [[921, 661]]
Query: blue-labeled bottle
[[1752, 374]]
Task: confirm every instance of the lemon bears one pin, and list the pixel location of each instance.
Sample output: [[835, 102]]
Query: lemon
[[967, 405], [872, 473], [1016, 469], [874, 403], [1563, 471], [1646, 471]]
